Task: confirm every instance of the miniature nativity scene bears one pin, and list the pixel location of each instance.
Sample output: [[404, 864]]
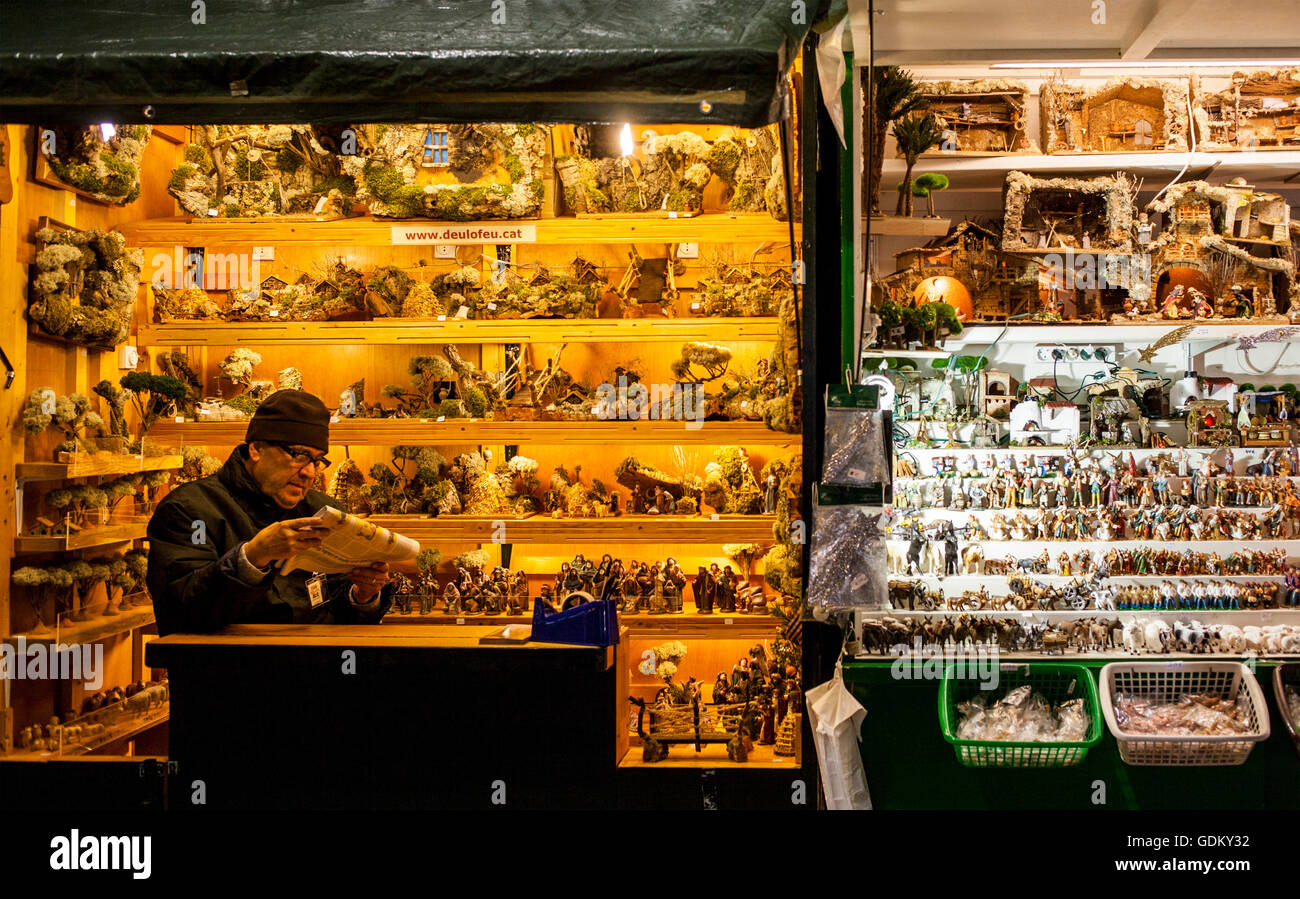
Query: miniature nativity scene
[[1070, 249]]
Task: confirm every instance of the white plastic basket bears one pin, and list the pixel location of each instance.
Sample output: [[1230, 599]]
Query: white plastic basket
[[1165, 682]]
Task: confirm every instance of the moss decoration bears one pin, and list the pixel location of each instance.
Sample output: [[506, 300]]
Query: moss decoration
[[85, 286], [107, 170]]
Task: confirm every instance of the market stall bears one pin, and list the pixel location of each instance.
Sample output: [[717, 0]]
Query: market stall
[[553, 291]]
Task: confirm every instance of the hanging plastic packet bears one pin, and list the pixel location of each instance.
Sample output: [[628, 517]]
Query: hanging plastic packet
[[848, 551], [856, 447]]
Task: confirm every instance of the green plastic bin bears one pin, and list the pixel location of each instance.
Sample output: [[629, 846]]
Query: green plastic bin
[[1056, 682]]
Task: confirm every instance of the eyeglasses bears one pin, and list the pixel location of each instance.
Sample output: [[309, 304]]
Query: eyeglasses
[[301, 458]]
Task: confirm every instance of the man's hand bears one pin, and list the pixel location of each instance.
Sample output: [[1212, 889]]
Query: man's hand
[[284, 539], [368, 580]]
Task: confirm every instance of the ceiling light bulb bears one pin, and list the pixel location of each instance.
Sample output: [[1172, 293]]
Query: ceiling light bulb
[[625, 140]]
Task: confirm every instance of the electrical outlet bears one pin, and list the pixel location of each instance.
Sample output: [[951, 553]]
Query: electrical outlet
[[1074, 352], [444, 251], [128, 357], [263, 254], [688, 251]]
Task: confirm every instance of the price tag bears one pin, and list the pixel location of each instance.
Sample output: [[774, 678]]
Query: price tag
[[334, 419], [274, 313], [695, 307], [1026, 614], [672, 214], [212, 213], [1175, 665], [713, 517], [728, 621], [442, 318], [492, 307], [316, 590], [462, 312], [460, 620], [857, 474], [180, 419], [441, 418]]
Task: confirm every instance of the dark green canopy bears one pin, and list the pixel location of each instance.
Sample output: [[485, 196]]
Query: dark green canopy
[[695, 61]]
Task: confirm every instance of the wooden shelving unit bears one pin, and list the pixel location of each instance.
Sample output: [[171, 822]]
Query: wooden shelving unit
[[620, 529], [685, 624], [369, 231], [98, 628], [905, 225], [399, 331], [103, 535], [428, 432], [93, 466]]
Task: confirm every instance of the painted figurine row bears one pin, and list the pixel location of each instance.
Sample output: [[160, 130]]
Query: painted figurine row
[[889, 635]]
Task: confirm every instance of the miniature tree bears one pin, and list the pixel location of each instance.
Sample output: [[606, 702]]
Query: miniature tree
[[895, 94], [429, 374], [238, 366], [70, 414], [195, 464], [36, 580], [474, 560], [83, 577], [712, 358], [428, 560], [153, 396], [150, 481], [743, 554], [115, 398], [137, 561], [101, 572], [914, 135], [177, 365], [119, 489], [120, 580], [925, 185]]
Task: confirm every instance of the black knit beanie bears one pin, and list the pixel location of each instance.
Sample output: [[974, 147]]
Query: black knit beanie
[[291, 416]]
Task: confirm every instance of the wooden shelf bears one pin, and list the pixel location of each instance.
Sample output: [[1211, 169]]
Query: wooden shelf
[[103, 535], [686, 624], [397, 331], [712, 756], [98, 628], [1260, 167], [456, 431], [901, 224], [369, 231], [95, 465], [544, 529], [986, 333]]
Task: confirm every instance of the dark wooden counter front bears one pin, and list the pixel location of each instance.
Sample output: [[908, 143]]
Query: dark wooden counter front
[[390, 716]]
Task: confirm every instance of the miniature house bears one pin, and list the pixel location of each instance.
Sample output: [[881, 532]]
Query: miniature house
[[972, 274], [1122, 116], [1053, 423], [1230, 243], [980, 116], [997, 391], [1209, 423], [1222, 389], [1261, 109], [1061, 214]]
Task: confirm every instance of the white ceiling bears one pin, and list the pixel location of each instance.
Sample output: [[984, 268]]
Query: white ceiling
[[921, 32]]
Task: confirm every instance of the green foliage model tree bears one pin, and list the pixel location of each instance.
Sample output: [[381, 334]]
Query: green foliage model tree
[[914, 135], [925, 185], [895, 94]]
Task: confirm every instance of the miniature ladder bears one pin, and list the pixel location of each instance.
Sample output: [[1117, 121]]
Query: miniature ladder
[[785, 735]]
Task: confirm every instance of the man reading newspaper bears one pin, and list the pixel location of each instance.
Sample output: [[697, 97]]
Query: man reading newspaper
[[216, 544]]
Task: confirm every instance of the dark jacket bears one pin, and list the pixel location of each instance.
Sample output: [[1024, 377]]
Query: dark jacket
[[193, 570]]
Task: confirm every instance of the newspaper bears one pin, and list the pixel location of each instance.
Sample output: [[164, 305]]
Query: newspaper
[[352, 543]]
